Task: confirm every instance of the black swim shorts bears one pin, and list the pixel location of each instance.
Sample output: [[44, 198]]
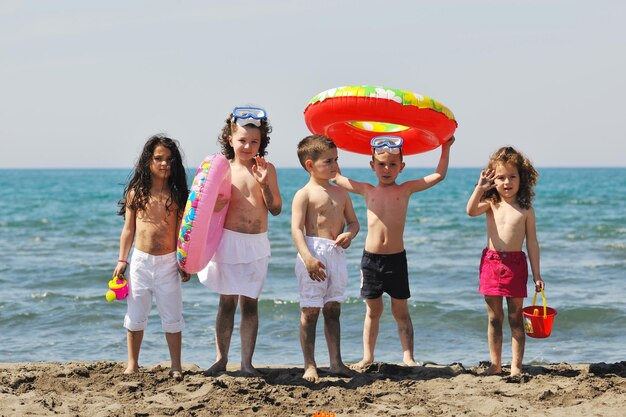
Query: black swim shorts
[[384, 273]]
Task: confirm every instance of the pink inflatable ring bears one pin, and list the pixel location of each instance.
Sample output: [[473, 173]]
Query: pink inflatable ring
[[201, 229]]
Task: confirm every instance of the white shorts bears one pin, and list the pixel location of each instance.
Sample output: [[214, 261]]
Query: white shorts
[[154, 275], [333, 288], [239, 266]]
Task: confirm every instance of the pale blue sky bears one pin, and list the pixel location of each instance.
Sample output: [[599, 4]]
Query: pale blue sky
[[84, 84]]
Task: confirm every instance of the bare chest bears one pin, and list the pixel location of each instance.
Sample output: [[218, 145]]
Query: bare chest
[[388, 205], [247, 212], [156, 229]]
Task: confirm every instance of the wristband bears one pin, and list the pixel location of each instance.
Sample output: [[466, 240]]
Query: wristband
[[121, 260]]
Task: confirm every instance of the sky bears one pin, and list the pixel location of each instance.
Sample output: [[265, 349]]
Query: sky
[[84, 84]]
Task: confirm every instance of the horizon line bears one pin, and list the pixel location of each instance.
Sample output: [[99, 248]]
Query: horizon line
[[299, 167]]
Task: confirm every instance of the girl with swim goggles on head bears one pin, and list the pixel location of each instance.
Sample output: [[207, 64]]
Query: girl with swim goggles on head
[[245, 116], [389, 144]]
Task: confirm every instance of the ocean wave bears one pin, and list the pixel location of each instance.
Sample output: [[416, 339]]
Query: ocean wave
[[583, 202]]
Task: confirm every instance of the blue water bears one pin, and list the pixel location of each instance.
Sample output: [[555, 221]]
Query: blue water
[[59, 237]]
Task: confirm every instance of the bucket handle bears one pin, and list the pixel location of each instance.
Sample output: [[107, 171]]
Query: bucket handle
[[543, 296]]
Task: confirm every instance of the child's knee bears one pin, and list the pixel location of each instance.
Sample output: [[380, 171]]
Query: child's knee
[[374, 308], [374, 313], [249, 307], [496, 321], [310, 313], [228, 304], [516, 321], [332, 309]]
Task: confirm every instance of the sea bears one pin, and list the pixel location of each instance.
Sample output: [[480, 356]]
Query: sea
[[59, 240]]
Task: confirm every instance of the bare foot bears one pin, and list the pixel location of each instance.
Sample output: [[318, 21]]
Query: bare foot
[[310, 374], [249, 371], [410, 362], [341, 370], [515, 371], [177, 375], [215, 369], [132, 369], [361, 365], [493, 370]]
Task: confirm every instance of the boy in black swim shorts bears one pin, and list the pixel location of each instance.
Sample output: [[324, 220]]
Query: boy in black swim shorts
[[384, 265], [384, 273]]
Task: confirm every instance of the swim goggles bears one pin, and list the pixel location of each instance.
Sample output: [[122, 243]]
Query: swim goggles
[[390, 144], [249, 116]]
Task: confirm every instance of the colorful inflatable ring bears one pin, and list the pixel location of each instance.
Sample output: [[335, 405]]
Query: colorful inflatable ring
[[352, 116], [201, 229]]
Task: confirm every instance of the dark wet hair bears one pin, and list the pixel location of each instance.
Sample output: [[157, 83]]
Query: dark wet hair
[[141, 180], [312, 147], [229, 128], [528, 175]]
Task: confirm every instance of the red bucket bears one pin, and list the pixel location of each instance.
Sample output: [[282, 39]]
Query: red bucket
[[536, 324]]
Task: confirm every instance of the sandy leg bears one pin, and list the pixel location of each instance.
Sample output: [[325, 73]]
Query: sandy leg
[[370, 332], [224, 325], [308, 322], [248, 329], [332, 331], [174, 343], [400, 311], [495, 315], [518, 336], [133, 341]]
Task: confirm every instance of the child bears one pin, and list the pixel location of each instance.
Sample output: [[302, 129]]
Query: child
[[152, 206], [384, 264], [505, 192], [239, 267], [320, 214]]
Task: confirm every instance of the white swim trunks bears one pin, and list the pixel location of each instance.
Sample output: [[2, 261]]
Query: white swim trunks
[[239, 266], [154, 275], [333, 288]]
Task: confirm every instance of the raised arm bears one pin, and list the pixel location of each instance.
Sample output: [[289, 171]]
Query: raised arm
[[476, 205], [266, 176], [313, 265], [532, 247], [352, 186], [352, 225], [439, 174]]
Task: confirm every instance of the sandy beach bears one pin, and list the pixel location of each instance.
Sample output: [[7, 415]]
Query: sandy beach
[[100, 389]]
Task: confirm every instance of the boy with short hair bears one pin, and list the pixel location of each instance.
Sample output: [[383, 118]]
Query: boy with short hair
[[384, 264], [323, 225]]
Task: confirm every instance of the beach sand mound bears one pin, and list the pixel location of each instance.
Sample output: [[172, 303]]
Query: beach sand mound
[[100, 389]]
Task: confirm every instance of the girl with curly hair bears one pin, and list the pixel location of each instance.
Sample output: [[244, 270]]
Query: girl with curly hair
[[504, 193], [239, 267], [152, 205]]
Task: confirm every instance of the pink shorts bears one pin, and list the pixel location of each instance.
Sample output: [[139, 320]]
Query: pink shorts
[[503, 273]]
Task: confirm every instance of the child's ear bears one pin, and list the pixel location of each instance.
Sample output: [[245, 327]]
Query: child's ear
[[402, 166], [372, 165], [308, 165]]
